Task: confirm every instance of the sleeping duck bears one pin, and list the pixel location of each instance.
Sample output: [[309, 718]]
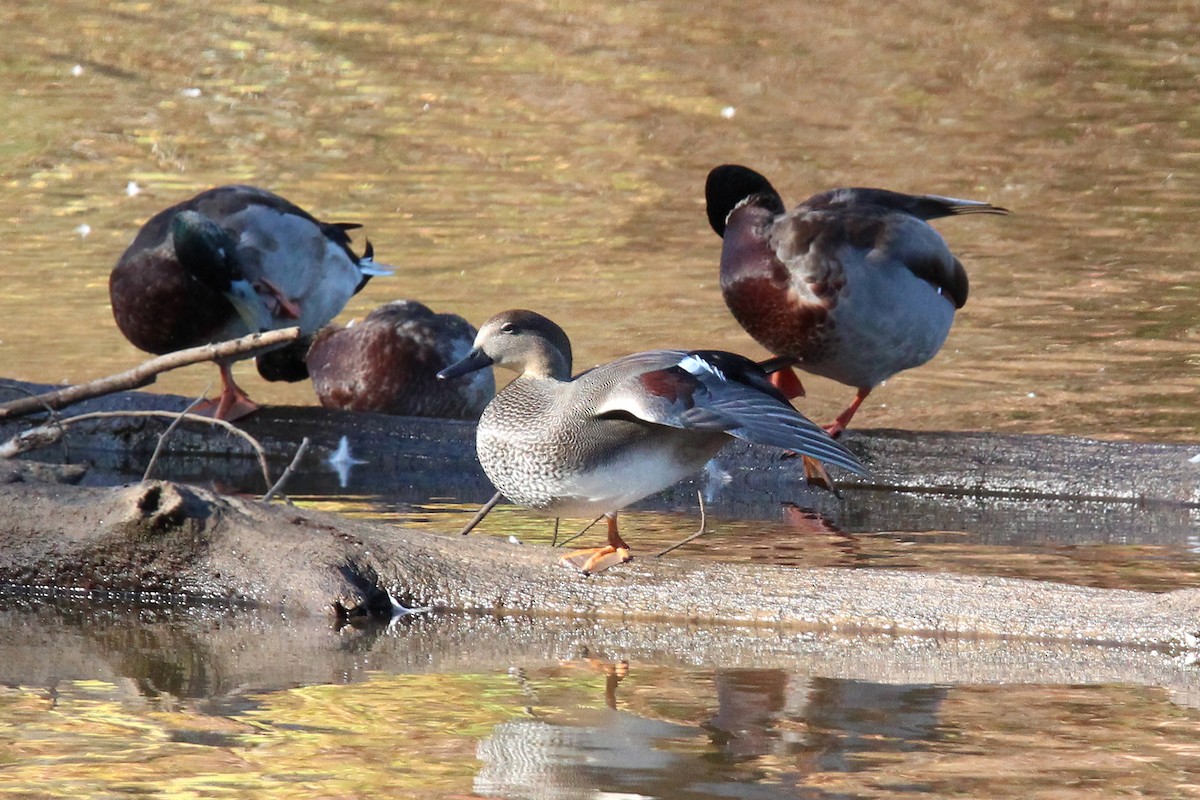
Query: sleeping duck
[[388, 363], [231, 261]]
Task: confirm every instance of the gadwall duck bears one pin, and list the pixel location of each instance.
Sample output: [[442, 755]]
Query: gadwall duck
[[388, 363], [622, 431], [231, 261], [853, 284]]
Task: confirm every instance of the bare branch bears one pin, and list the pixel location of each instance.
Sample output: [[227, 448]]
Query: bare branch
[[287, 473], [44, 435], [162, 438], [147, 372]]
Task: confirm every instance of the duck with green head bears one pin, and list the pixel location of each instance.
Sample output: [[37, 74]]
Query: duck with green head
[[228, 262]]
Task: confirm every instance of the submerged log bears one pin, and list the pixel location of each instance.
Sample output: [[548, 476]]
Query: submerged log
[[163, 542], [159, 542], [999, 487]]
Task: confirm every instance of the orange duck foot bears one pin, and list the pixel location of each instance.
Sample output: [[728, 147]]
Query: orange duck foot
[[839, 425], [233, 402], [596, 559], [816, 474], [227, 407]]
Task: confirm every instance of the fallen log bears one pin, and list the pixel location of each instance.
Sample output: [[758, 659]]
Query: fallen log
[[163, 543], [999, 487]]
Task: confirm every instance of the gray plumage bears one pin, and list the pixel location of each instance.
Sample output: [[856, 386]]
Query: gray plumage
[[623, 430]]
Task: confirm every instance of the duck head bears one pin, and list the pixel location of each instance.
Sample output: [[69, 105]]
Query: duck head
[[209, 253], [523, 341], [732, 185]]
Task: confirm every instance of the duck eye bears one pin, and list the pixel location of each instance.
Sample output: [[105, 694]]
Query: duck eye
[[508, 327]]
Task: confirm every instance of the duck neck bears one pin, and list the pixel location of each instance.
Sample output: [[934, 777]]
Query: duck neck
[[548, 364]]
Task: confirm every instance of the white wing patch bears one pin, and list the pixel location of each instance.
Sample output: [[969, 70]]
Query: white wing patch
[[698, 367]]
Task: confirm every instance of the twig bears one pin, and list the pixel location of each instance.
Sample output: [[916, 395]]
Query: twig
[[52, 412], [48, 434], [162, 437], [287, 473], [570, 539], [22, 390], [691, 538], [148, 371], [480, 514]]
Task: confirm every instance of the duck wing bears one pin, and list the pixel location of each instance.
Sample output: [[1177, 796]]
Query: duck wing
[[921, 206], [875, 228], [712, 390]]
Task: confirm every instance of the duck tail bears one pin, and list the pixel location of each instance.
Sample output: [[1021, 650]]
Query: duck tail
[[368, 266]]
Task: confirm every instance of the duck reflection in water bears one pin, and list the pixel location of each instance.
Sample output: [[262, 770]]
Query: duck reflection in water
[[794, 726]]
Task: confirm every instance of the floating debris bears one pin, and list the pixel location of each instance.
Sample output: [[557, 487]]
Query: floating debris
[[83, 229], [342, 462], [715, 479], [728, 111]]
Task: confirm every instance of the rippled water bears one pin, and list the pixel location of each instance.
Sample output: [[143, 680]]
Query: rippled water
[[552, 155]]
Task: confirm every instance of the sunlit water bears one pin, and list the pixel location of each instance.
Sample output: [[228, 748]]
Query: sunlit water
[[552, 156]]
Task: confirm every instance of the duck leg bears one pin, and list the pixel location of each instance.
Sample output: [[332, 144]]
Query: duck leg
[[843, 420], [481, 513], [787, 381], [285, 307], [233, 402], [597, 559]]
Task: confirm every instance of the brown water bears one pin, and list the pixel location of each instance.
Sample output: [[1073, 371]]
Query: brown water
[[552, 156]]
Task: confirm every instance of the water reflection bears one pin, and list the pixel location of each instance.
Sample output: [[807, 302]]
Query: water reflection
[[524, 708]]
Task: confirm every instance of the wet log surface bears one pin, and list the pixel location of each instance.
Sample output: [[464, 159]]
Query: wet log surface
[[170, 543], [999, 486]]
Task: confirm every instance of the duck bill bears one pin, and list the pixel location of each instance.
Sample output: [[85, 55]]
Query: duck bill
[[472, 362]]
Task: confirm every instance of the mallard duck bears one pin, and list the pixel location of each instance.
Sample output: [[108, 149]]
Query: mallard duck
[[622, 431], [853, 284], [229, 262]]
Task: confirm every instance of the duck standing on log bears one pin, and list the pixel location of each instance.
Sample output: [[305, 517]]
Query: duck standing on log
[[231, 261], [621, 431], [853, 284]]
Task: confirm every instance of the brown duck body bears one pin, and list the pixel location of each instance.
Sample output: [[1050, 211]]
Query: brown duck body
[[853, 284], [388, 363]]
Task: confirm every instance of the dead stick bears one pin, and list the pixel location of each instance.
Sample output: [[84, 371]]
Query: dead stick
[[287, 473], [147, 372], [49, 433], [481, 513], [162, 438], [694, 536]]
